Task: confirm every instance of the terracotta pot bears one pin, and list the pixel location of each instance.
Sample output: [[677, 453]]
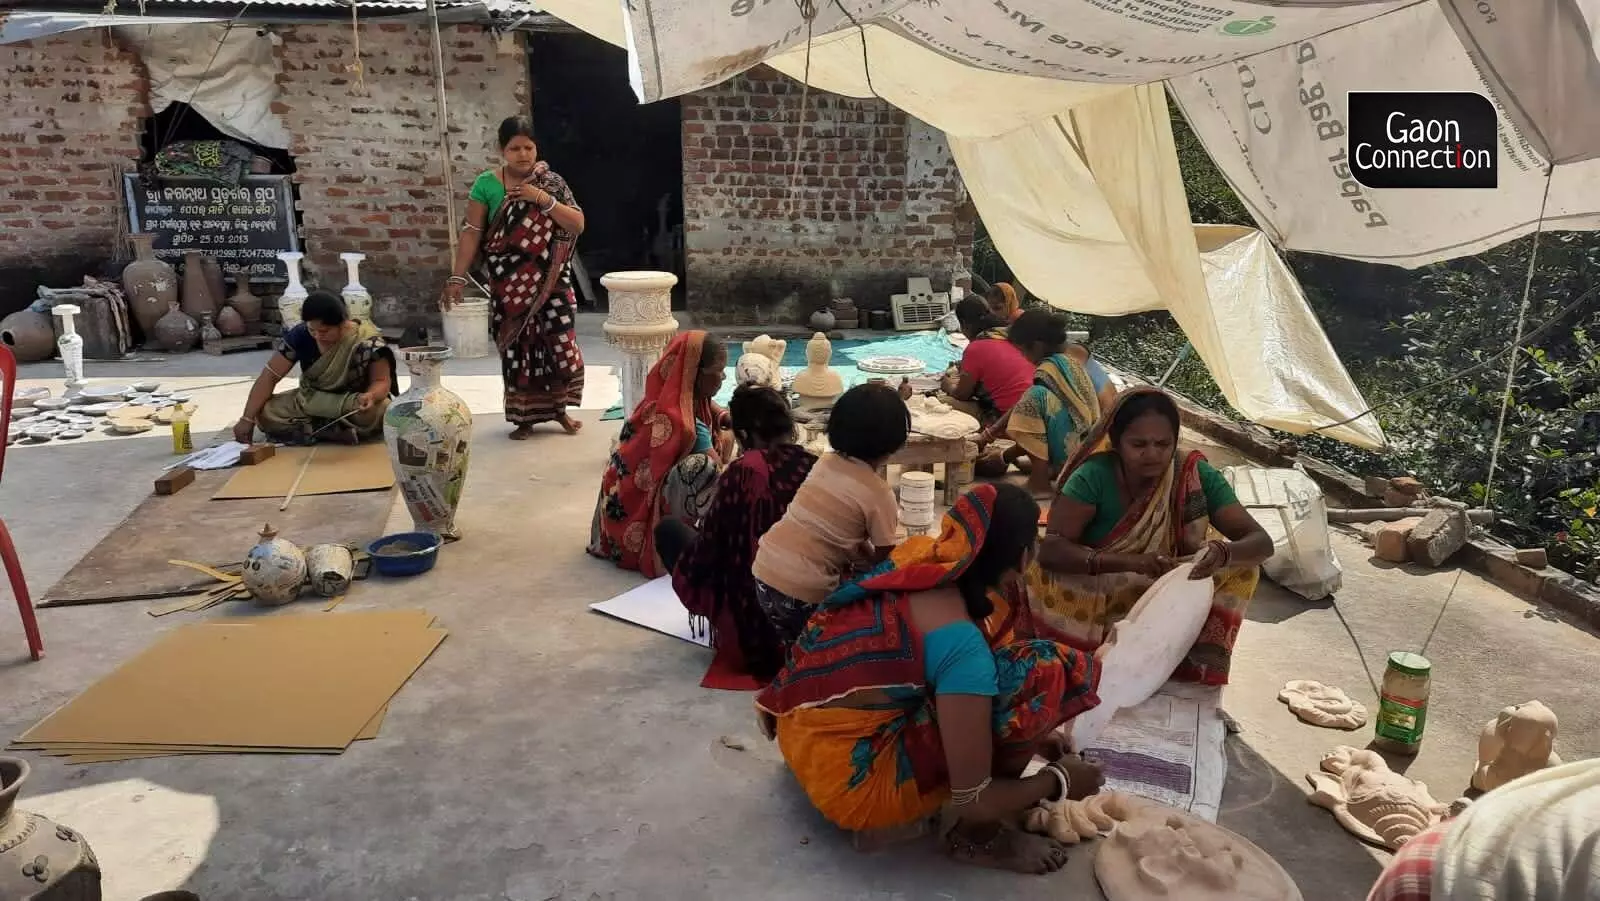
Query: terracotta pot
[[229, 322], [40, 860], [198, 298], [150, 284], [214, 280], [823, 321], [429, 430], [247, 304], [176, 332], [30, 336]]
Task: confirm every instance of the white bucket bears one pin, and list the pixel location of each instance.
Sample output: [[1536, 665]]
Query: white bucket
[[916, 488], [466, 328], [917, 514]]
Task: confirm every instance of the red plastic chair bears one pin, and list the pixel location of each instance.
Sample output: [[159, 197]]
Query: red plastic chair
[[8, 551]]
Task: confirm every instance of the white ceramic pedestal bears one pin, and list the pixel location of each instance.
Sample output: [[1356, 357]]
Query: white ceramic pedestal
[[640, 324], [356, 298], [295, 295], [70, 344]]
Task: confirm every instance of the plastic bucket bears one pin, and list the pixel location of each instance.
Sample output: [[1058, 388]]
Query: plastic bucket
[[466, 328]]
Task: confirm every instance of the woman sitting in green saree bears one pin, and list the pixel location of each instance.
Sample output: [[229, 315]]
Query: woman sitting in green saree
[[346, 380]]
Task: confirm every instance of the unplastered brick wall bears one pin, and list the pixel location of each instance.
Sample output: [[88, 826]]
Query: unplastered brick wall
[[366, 148], [70, 107], [872, 198]]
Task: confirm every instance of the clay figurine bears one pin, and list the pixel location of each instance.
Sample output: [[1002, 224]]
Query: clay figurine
[[817, 381], [759, 370], [1164, 853], [1323, 705], [1070, 822], [1371, 801], [930, 416], [1519, 741]]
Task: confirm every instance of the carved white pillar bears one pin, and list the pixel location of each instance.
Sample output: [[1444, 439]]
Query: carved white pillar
[[640, 324]]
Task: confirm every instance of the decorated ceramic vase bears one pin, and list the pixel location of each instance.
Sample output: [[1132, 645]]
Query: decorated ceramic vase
[[429, 431], [150, 284], [357, 300], [274, 570], [40, 860], [294, 296]]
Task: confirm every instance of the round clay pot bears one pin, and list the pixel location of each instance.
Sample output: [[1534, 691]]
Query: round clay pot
[[247, 304], [823, 321], [40, 860], [198, 298], [30, 336], [150, 284], [176, 332], [229, 322]]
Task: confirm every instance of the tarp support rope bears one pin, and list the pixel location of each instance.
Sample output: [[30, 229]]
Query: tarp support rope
[[444, 133]]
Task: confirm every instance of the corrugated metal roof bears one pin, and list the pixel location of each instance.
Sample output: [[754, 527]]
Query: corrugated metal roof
[[133, 7]]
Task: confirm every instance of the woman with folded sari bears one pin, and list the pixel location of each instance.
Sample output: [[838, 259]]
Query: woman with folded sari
[[346, 380], [1058, 411], [526, 223], [1130, 506], [902, 697], [667, 457]]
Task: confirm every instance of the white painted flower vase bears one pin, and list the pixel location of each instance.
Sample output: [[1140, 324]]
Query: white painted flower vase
[[356, 298], [429, 432], [70, 344], [274, 570], [294, 296]]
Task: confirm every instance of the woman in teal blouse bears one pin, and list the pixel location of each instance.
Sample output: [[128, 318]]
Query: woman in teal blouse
[[524, 220]]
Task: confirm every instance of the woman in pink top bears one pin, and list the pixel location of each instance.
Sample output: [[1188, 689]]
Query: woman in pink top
[[994, 373]]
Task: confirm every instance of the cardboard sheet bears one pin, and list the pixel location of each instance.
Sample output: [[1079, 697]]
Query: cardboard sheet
[[653, 605], [231, 686], [334, 469]]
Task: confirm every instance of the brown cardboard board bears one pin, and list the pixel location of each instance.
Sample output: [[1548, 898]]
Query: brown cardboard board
[[132, 559], [227, 686], [334, 469], [368, 732]]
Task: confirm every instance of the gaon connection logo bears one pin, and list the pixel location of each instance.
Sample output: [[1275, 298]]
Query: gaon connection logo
[[1421, 139]]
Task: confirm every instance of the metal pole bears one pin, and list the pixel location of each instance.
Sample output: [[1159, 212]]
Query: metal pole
[[444, 132], [1182, 354]]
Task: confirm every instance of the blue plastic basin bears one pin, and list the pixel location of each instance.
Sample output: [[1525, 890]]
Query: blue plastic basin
[[419, 561]]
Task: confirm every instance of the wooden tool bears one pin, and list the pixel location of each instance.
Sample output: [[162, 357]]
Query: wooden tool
[[257, 453], [301, 475], [174, 481]]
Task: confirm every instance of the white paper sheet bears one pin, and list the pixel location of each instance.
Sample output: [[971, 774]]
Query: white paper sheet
[[654, 606]]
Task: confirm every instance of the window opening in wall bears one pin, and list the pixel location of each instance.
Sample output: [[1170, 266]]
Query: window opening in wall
[[622, 159]]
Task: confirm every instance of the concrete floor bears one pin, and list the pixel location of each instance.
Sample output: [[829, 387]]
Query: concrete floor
[[546, 752]]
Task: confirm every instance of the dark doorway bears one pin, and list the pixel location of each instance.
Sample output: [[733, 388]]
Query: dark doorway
[[622, 159]]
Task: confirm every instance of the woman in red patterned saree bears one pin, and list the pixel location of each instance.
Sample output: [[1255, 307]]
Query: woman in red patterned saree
[[525, 221]]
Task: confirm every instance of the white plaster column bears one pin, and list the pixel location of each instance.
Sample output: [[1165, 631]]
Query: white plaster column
[[640, 324]]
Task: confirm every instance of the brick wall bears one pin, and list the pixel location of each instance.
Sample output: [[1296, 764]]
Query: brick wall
[[69, 120], [873, 199], [369, 174]]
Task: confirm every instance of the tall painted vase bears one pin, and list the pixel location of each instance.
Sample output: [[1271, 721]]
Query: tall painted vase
[[429, 431]]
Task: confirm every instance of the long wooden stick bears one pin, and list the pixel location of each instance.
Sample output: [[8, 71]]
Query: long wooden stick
[[296, 486]]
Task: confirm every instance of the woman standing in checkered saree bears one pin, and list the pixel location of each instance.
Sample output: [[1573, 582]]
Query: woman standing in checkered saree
[[523, 218]]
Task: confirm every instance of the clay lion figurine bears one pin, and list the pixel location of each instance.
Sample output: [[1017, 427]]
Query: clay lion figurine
[[1371, 801], [1519, 741]]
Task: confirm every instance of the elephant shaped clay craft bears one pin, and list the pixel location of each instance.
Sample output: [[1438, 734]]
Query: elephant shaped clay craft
[[751, 371], [1070, 822], [1323, 705], [1371, 801], [1519, 741]]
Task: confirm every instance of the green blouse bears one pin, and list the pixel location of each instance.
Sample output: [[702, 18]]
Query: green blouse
[[1095, 483], [488, 190]]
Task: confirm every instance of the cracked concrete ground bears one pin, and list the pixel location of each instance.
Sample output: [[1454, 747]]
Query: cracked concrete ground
[[547, 752]]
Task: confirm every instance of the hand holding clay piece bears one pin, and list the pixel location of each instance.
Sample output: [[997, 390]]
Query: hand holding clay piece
[[1164, 853], [817, 380], [1373, 802], [1519, 741], [1323, 705]]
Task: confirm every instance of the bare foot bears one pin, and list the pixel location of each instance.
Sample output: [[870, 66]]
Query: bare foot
[[1004, 847], [522, 433], [571, 425]]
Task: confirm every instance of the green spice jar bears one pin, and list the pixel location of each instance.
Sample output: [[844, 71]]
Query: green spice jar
[[1403, 705]]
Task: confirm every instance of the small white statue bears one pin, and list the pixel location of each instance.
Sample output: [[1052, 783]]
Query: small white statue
[[817, 381], [1323, 705], [1371, 801], [759, 364], [1519, 741]]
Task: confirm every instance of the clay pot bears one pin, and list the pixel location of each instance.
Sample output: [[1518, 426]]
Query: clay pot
[[823, 321], [229, 322], [30, 336], [274, 570], [198, 297], [428, 430], [214, 280], [150, 284], [176, 332], [40, 860], [245, 303]]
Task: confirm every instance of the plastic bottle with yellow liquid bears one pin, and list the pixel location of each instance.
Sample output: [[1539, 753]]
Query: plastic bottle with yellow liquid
[[181, 442]]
